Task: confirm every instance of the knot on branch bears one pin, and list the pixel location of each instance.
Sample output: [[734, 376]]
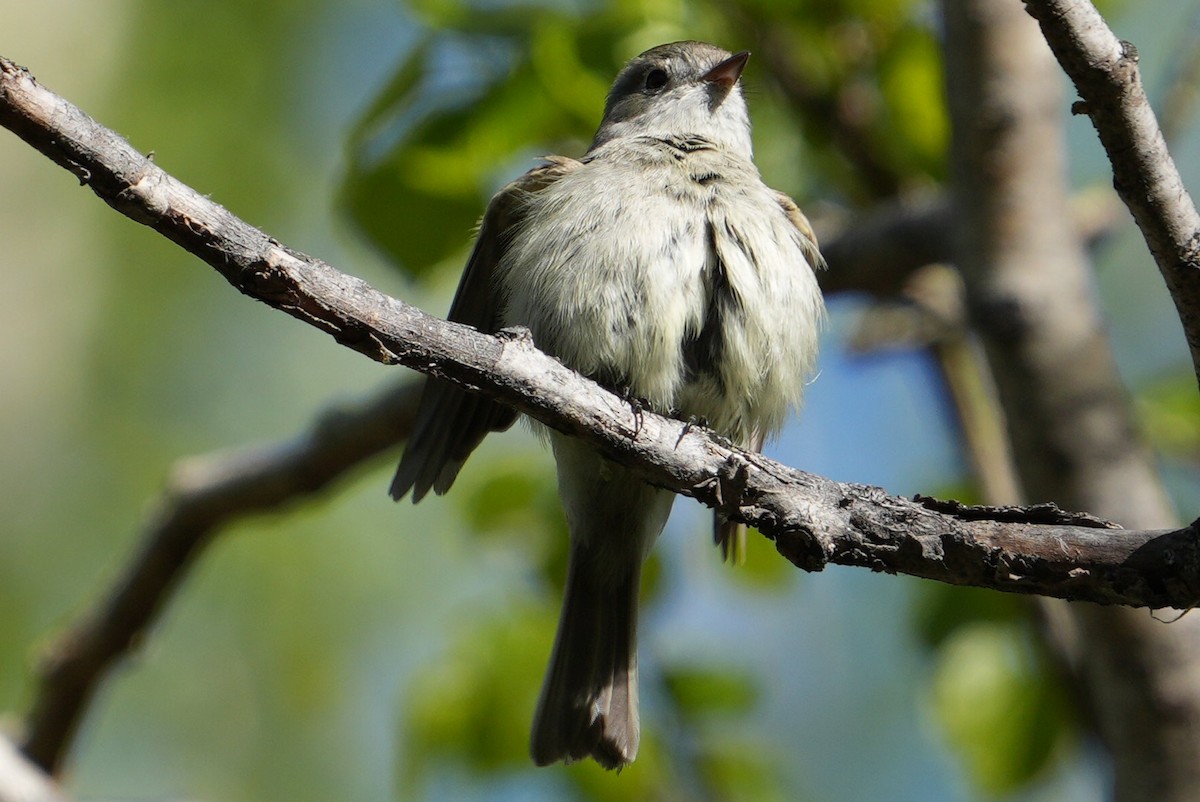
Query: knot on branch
[[8, 67], [145, 199], [803, 549], [518, 335], [264, 279]]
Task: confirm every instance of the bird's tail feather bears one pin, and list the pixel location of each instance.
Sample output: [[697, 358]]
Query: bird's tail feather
[[589, 701]]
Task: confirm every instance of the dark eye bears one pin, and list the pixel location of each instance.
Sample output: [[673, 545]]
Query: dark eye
[[656, 79]]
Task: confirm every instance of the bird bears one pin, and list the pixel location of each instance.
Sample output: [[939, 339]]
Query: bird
[[660, 265]]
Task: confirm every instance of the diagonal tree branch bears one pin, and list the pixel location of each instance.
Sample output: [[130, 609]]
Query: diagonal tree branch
[[813, 521], [1105, 73]]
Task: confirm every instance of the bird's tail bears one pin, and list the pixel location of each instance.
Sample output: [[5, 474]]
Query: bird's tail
[[589, 701]]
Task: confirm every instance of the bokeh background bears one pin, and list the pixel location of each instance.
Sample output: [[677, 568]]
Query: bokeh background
[[355, 649]]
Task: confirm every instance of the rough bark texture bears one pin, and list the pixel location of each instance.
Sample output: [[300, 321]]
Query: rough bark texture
[[1069, 419], [1105, 73]]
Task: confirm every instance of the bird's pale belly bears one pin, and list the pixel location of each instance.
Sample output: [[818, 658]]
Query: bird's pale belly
[[668, 324]]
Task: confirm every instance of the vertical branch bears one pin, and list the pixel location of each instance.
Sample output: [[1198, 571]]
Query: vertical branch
[[1027, 276], [979, 418], [1105, 73]]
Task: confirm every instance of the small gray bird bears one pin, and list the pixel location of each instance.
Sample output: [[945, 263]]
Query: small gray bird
[[661, 266]]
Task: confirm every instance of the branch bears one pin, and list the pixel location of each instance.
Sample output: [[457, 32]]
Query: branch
[[813, 521], [1104, 71], [203, 495], [879, 250]]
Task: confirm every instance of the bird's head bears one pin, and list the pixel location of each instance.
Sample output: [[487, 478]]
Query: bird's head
[[679, 89]]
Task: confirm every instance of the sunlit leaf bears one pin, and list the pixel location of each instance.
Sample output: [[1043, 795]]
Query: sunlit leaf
[[911, 79], [1001, 712], [1170, 410]]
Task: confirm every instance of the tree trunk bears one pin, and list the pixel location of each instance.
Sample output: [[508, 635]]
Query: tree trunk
[[1068, 416]]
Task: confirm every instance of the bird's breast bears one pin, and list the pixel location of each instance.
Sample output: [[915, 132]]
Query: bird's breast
[[671, 279]]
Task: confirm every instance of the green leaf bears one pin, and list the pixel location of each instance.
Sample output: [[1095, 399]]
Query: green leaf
[[515, 496], [1171, 411], [1001, 711], [475, 702], [740, 771], [416, 228], [700, 690], [763, 568], [910, 77]]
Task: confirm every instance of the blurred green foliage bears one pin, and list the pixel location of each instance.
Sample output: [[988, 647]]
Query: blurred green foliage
[[354, 649], [1000, 705], [1170, 409], [694, 691], [466, 708], [466, 711], [994, 689]]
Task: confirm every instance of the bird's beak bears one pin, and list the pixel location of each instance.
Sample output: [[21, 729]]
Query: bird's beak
[[726, 73]]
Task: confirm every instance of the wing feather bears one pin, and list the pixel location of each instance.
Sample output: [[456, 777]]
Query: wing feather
[[730, 536], [809, 238], [451, 421]]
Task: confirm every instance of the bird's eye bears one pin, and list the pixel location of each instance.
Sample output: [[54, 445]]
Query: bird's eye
[[656, 79]]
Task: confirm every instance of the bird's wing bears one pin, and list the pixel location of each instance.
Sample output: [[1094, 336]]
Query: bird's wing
[[808, 238], [729, 535], [451, 421]]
